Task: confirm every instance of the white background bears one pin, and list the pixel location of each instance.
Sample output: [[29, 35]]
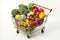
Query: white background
[[8, 32]]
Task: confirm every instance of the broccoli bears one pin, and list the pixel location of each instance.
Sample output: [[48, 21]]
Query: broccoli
[[23, 9], [14, 12], [23, 6]]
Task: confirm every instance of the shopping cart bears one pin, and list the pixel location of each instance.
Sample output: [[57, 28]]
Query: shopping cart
[[41, 27]]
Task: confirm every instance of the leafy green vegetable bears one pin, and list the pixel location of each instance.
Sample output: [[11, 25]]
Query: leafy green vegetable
[[14, 12], [35, 16], [22, 28], [23, 9], [22, 6], [30, 7]]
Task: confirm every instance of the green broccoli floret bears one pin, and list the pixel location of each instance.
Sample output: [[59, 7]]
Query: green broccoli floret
[[14, 12], [23, 6], [23, 9]]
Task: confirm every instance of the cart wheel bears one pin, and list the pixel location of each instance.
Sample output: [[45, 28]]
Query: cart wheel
[[17, 31], [28, 36], [42, 30]]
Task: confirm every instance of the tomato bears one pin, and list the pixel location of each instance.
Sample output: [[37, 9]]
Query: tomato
[[35, 11], [30, 20], [38, 13], [41, 10], [36, 19], [31, 17]]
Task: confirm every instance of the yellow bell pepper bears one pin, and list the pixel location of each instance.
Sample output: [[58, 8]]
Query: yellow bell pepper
[[42, 15]]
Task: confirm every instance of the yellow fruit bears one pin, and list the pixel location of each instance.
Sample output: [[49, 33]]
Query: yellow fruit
[[17, 16], [25, 24], [27, 20], [22, 24], [28, 25], [19, 23], [42, 15]]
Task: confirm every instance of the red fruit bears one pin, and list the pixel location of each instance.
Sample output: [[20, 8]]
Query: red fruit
[[33, 24], [41, 10], [30, 20], [31, 17], [38, 13], [36, 19], [35, 11]]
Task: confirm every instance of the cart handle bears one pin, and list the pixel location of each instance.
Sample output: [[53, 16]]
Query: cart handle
[[43, 7]]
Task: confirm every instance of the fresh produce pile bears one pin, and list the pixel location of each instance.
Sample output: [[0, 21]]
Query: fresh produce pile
[[28, 17]]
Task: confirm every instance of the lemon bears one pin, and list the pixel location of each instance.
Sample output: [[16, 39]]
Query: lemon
[[17, 16], [42, 15]]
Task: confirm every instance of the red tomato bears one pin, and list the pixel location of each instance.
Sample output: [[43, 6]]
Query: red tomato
[[36, 19], [41, 10], [31, 17], [38, 13], [30, 20], [35, 11]]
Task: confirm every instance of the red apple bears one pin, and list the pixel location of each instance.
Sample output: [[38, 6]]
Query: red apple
[[33, 24]]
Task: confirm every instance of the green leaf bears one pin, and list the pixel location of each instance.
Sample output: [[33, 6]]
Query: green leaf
[[30, 7]]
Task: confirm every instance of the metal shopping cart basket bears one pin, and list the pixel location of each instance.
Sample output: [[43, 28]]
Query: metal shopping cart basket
[[29, 30]]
